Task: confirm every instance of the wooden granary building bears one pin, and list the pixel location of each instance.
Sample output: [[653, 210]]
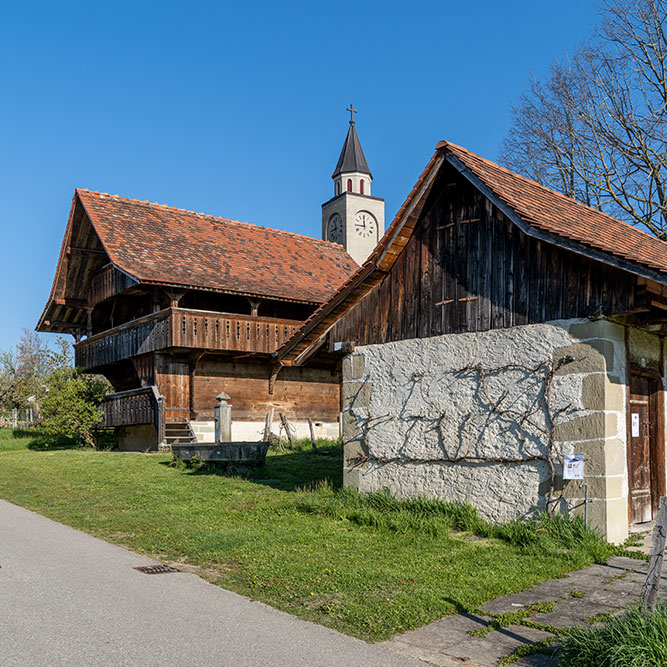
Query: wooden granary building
[[498, 329], [174, 307]]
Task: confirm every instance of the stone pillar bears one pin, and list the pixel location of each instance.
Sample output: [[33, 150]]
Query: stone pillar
[[223, 419], [599, 434]]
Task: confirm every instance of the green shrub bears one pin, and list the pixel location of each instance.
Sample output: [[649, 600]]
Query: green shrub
[[635, 639], [70, 405]]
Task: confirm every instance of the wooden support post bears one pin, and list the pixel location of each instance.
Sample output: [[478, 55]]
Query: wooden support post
[[286, 426], [272, 377], [254, 307], [268, 425], [89, 323], [650, 592], [175, 296], [312, 433]]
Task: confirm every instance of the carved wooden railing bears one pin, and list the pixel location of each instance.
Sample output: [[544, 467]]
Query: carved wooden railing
[[215, 331], [133, 408], [185, 329], [145, 334]]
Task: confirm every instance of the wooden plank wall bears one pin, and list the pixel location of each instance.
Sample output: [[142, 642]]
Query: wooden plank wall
[[108, 282], [298, 393], [469, 268]]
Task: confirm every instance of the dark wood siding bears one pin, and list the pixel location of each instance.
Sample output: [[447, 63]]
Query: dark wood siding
[[469, 268], [298, 393]]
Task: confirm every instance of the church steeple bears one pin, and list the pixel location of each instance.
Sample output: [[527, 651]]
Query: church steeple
[[352, 158], [352, 217]]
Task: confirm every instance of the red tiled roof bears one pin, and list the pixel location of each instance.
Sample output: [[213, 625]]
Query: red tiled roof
[[553, 212], [161, 244]]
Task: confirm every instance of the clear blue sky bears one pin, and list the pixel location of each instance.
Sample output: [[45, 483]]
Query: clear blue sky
[[238, 108]]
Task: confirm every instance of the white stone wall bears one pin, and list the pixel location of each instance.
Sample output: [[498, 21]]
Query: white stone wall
[[253, 431], [409, 410]]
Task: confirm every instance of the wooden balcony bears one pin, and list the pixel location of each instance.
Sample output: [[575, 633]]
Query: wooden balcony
[[185, 329]]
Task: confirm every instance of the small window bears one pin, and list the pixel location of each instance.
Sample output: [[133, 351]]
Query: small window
[[338, 188], [361, 186], [349, 185]]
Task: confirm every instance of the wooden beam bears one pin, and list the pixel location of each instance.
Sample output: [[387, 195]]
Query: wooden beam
[[72, 303], [95, 251], [272, 378], [61, 325]]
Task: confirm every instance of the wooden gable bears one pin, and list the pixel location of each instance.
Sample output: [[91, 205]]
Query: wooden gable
[[84, 276], [467, 267]]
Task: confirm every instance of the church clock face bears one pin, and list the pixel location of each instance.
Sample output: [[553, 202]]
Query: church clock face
[[365, 224], [335, 229]]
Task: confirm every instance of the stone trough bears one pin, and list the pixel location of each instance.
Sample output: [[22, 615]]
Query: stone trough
[[249, 453]]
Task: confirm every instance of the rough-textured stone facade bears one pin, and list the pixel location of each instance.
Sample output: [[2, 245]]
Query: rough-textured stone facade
[[465, 417]]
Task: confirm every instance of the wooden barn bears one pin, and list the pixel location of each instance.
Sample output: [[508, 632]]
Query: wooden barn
[[498, 328], [174, 307]]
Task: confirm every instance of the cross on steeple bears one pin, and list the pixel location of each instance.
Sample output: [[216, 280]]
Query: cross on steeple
[[352, 111]]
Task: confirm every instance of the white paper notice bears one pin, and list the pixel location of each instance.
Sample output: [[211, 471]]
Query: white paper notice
[[574, 466], [635, 424]]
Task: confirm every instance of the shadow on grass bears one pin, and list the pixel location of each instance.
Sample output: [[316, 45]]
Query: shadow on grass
[[18, 433], [44, 443], [288, 471]]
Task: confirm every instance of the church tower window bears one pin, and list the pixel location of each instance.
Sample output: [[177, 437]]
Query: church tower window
[[349, 185], [338, 187], [361, 186]]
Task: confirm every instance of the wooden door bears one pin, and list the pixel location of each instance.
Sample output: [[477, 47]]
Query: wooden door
[[172, 377], [644, 447]]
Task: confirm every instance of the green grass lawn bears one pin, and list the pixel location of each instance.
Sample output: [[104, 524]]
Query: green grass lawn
[[288, 535]]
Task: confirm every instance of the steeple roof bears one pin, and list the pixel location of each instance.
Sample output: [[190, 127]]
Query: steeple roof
[[352, 156]]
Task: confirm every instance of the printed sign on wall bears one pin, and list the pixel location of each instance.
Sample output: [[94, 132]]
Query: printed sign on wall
[[635, 424], [573, 467]]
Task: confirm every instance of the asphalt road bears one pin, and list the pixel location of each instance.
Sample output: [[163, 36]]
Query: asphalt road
[[67, 598]]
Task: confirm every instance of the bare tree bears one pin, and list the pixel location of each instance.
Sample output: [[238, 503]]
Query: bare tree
[[597, 128]]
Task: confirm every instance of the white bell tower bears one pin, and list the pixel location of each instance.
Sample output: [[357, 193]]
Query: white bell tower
[[352, 217]]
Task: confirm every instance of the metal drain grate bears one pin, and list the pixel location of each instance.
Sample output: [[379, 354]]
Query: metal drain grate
[[155, 569]]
